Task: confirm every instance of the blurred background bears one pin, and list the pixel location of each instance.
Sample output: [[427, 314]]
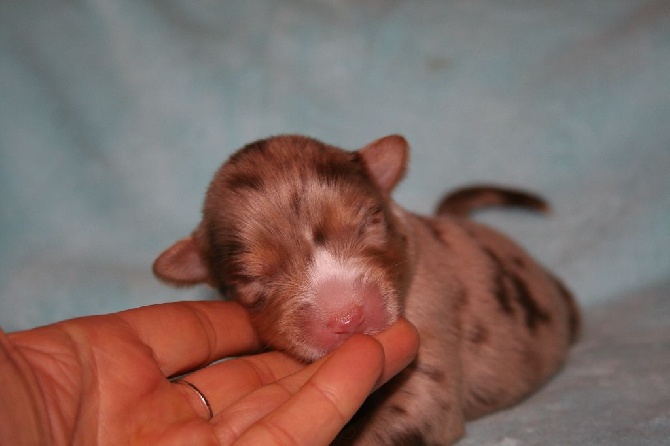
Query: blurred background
[[114, 115]]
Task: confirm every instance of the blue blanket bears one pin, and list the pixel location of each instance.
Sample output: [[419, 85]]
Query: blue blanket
[[115, 114]]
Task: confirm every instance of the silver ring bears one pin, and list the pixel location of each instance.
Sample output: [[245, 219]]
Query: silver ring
[[200, 395]]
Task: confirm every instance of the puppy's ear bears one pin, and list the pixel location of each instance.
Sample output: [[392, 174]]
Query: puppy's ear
[[386, 160], [183, 264]]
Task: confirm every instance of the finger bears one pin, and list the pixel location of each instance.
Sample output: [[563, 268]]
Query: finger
[[226, 382], [400, 343], [187, 335], [323, 405]]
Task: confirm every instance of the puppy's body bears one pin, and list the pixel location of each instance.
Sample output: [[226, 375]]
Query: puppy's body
[[306, 236]]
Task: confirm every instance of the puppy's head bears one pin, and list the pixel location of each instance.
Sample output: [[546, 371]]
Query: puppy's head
[[302, 234]]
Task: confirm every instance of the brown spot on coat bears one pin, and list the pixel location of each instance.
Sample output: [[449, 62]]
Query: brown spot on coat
[[341, 170], [508, 287], [411, 438], [478, 334], [319, 236], [434, 374], [242, 180], [499, 290], [397, 410], [534, 315], [461, 299], [518, 262]]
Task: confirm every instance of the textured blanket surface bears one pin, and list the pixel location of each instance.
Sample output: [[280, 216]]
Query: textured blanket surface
[[115, 114], [613, 390]]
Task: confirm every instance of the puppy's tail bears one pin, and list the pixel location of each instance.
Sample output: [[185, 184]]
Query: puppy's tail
[[464, 201]]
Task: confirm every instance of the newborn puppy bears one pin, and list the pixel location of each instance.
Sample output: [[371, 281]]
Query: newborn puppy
[[306, 236]]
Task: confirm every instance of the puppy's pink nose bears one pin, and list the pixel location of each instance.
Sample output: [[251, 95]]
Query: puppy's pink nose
[[348, 322]]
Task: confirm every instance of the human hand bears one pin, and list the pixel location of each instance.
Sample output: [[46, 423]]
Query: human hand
[[104, 379]]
